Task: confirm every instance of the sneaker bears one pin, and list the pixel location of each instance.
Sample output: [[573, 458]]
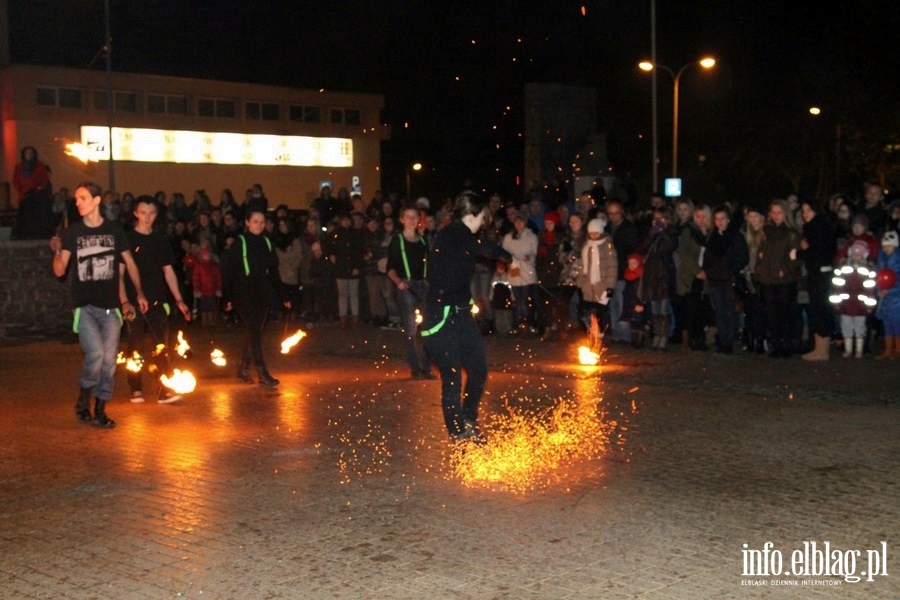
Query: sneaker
[[137, 396], [169, 398]]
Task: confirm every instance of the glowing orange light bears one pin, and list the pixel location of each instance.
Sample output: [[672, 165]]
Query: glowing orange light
[[120, 358], [134, 362], [182, 348], [218, 358], [586, 356], [418, 317], [80, 151], [292, 341], [181, 382], [583, 10], [475, 309]]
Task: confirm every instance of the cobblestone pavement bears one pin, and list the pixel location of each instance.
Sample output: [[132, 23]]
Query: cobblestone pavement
[[340, 483]]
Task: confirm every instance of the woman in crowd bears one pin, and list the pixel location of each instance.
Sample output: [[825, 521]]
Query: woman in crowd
[[817, 250], [778, 270], [522, 244], [690, 287], [289, 250], [748, 287], [658, 280]]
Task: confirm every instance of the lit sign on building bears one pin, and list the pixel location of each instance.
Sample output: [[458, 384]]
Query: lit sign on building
[[159, 145]]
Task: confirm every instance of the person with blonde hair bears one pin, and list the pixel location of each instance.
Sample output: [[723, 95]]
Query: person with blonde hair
[[778, 271]]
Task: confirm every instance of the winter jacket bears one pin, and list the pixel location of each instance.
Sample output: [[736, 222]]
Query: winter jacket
[[777, 259]]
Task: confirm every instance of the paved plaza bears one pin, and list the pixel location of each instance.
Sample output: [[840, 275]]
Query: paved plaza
[[341, 483]]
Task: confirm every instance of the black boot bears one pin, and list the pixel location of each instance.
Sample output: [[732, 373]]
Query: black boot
[[266, 379], [100, 418], [243, 373], [83, 407]]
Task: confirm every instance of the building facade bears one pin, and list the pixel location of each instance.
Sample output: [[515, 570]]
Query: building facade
[[179, 134]]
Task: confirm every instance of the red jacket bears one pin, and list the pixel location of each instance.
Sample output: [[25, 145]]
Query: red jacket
[[207, 278]]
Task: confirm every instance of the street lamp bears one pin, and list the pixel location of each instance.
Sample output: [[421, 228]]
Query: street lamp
[[706, 63], [413, 167]]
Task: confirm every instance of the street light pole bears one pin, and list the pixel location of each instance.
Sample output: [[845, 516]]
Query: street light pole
[[706, 63]]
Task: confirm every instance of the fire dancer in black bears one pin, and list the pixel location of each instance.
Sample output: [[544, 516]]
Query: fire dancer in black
[[452, 336], [250, 277], [154, 258]]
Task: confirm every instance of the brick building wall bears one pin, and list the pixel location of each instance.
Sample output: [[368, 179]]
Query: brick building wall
[[32, 300]]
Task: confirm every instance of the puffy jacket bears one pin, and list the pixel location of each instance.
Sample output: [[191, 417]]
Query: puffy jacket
[[777, 260]]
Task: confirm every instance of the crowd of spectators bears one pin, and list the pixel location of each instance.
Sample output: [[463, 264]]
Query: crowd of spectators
[[727, 277]]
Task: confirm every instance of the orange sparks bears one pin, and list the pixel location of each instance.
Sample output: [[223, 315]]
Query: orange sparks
[[181, 382], [292, 341], [418, 317], [182, 348], [525, 451], [218, 358], [586, 356]]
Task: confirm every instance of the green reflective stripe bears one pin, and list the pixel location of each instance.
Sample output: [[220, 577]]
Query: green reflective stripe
[[121, 318], [406, 262], [440, 323], [167, 308], [76, 320], [244, 252]]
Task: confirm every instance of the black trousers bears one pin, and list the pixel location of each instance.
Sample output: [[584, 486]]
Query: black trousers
[[818, 285], [458, 346], [154, 324], [253, 309], [779, 302]]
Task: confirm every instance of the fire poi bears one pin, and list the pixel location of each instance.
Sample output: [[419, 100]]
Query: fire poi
[[292, 341], [218, 358], [181, 382]]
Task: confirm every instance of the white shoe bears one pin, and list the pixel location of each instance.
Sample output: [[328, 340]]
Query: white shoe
[[137, 397], [169, 398]]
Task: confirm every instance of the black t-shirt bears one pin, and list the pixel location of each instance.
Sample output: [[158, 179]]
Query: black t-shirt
[[151, 252], [416, 255], [452, 262], [96, 253]]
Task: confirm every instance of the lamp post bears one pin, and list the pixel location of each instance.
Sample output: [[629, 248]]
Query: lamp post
[[413, 167], [706, 63]]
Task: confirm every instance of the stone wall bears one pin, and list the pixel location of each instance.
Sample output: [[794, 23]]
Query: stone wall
[[32, 300]]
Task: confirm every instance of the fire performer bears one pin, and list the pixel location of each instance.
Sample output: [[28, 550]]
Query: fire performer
[[407, 267], [99, 246], [154, 258], [250, 276], [452, 337]]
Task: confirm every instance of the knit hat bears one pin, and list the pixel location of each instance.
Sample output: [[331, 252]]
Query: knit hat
[[859, 248], [552, 215], [635, 273], [596, 226], [754, 208], [890, 238]]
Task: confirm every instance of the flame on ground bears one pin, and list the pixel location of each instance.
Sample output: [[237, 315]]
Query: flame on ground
[[181, 382], [525, 451], [218, 358], [292, 341], [586, 356], [182, 348]]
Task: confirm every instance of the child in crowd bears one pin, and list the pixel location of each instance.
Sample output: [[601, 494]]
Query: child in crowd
[[853, 294], [207, 280], [633, 310], [324, 286], [599, 264], [889, 302], [502, 301]]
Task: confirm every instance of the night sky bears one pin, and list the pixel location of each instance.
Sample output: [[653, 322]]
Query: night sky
[[450, 70]]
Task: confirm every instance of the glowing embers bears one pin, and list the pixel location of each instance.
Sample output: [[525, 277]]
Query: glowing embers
[[292, 341], [181, 382], [525, 450], [586, 356], [218, 358], [133, 363]]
